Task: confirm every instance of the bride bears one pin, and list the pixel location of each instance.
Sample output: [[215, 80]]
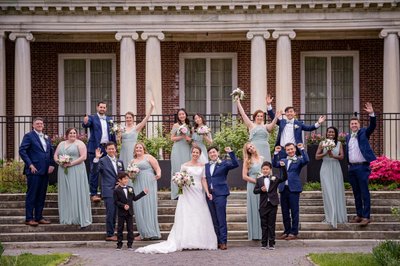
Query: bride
[[193, 226]]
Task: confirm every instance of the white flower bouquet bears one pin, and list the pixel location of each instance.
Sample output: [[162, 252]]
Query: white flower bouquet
[[203, 130], [182, 130], [117, 128], [182, 179], [133, 170], [64, 159], [328, 144], [237, 94]]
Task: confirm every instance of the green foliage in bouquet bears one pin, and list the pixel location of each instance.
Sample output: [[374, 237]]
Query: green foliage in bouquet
[[387, 253], [233, 134]]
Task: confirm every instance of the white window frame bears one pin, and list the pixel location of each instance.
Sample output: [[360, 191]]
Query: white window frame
[[87, 57], [329, 55], [208, 57]]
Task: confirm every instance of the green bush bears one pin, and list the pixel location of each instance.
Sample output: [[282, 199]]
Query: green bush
[[347, 186], [376, 187], [311, 186], [233, 133], [387, 253], [12, 179], [157, 142], [1, 249]]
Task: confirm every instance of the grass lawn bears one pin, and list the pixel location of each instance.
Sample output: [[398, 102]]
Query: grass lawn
[[345, 259], [34, 260]]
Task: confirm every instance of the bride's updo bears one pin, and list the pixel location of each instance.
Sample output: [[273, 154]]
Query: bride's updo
[[195, 147]]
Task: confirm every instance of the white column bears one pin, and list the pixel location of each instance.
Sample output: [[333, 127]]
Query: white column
[[2, 95], [153, 75], [258, 73], [284, 95], [128, 92], [23, 89], [391, 92]]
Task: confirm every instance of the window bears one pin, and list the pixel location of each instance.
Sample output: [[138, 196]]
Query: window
[[330, 85], [84, 80], [206, 81]]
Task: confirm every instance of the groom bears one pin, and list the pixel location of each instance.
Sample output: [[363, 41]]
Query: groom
[[216, 173]]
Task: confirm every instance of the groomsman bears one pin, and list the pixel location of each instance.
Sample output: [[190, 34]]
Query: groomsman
[[37, 153], [109, 167], [359, 155], [290, 190], [216, 174], [290, 129], [100, 134]]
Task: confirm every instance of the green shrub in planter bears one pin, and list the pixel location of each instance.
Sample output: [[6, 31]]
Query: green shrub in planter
[[1, 249], [12, 179], [312, 186], [156, 143], [387, 253]]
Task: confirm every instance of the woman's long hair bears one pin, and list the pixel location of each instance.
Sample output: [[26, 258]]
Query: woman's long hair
[[247, 156], [203, 119], [144, 148], [187, 122], [336, 133]]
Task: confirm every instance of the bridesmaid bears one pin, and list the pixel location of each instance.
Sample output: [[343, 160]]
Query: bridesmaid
[[201, 140], [332, 180], [180, 153], [73, 188], [146, 208], [129, 137], [252, 162], [259, 132]]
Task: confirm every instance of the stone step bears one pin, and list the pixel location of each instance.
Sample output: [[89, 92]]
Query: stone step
[[234, 195], [232, 226], [231, 203], [230, 210], [231, 243], [232, 235]]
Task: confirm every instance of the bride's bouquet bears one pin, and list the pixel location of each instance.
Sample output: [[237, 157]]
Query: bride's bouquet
[[182, 179], [182, 129], [237, 94], [117, 128], [203, 130], [328, 144], [64, 159], [133, 170]]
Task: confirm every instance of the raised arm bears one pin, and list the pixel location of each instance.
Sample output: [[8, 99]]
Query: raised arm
[[140, 126], [246, 119], [234, 161], [372, 119], [274, 121], [87, 121]]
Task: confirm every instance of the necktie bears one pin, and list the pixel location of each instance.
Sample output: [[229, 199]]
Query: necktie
[[354, 134]]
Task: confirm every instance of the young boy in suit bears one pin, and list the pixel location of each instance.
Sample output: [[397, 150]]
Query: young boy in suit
[[267, 186], [290, 190], [123, 198]]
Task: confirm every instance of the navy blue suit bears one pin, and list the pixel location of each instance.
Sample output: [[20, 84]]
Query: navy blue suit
[[290, 194], [218, 187], [298, 128], [31, 151], [109, 179], [96, 132], [359, 173]]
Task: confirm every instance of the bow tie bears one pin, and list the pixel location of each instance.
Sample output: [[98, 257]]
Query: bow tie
[[113, 160], [213, 162], [354, 134], [41, 135], [294, 158], [290, 121], [125, 187], [103, 117]]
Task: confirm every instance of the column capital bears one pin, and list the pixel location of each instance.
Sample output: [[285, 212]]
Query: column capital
[[2, 34], [290, 33], [385, 32], [27, 35], [126, 34], [252, 33], [158, 34]]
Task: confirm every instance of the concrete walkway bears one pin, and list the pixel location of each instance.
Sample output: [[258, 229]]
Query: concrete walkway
[[284, 255]]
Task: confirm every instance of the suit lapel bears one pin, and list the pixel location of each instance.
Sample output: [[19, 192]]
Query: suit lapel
[[38, 140], [111, 166]]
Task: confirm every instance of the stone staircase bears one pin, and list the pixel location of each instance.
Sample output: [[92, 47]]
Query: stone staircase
[[14, 233]]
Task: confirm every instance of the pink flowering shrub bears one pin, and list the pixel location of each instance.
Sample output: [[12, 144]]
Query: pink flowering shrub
[[385, 170], [56, 139], [314, 138]]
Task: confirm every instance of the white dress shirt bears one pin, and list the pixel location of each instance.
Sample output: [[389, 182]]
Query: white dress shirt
[[267, 183], [288, 134], [114, 163], [355, 155], [104, 132], [42, 140], [125, 189]]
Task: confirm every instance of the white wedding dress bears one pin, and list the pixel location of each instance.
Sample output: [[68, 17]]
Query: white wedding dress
[[193, 227]]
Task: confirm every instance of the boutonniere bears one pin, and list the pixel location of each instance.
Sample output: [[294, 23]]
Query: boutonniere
[[130, 190], [219, 161], [46, 137], [119, 164], [110, 121], [273, 178], [296, 127]]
